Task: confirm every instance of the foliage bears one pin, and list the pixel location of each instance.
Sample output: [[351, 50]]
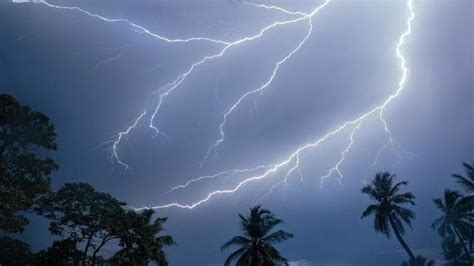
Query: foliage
[[457, 213], [78, 212], [453, 252], [140, 239], [95, 219], [24, 174], [62, 252], [256, 245], [467, 181], [386, 209], [14, 252], [457, 219]]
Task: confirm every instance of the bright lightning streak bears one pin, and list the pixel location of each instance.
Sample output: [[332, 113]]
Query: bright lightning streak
[[293, 156], [284, 181], [131, 24], [253, 92], [227, 173], [343, 157], [165, 92], [389, 141], [278, 9], [181, 78], [120, 136]]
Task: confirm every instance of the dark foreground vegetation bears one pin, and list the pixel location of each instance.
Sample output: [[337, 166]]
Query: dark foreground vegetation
[[87, 221]]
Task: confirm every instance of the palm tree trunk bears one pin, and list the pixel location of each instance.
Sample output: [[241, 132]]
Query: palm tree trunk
[[463, 244], [400, 239]]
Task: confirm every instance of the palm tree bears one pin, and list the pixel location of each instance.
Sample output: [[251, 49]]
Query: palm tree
[[141, 239], [387, 209], [418, 261], [457, 218], [467, 182], [453, 252], [256, 244]]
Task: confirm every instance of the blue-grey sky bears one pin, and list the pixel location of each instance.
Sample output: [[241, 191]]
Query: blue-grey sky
[[95, 78]]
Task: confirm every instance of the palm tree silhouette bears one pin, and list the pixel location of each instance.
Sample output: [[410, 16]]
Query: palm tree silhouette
[[457, 218], [387, 209], [453, 252], [467, 182], [418, 261], [142, 240], [256, 245]]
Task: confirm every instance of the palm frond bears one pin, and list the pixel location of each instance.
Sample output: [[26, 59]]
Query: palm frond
[[439, 204], [407, 197], [236, 254], [165, 241], [406, 215], [381, 223], [237, 241], [277, 237], [467, 182], [371, 209], [396, 188], [398, 224], [244, 259]]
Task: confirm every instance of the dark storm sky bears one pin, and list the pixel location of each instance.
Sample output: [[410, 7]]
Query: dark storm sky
[[49, 59]]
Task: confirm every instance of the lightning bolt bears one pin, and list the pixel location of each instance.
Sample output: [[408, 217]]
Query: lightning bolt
[[134, 26], [335, 168], [169, 88], [292, 161], [166, 90], [294, 156], [181, 78], [120, 136], [277, 8], [260, 89], [226, 174]]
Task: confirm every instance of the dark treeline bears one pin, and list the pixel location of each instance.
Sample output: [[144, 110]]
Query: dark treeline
[[87, 222]]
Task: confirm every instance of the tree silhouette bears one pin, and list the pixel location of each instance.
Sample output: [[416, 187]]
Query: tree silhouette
[[256, 245], [61, 252], [24, 174], [467, 181], [141, 239], [457, 218], [387, 210], [453, 252], [14, 252], [78, 212]]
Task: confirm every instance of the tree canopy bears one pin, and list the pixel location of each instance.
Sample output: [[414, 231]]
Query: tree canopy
[[77, 211], [25, 135]]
